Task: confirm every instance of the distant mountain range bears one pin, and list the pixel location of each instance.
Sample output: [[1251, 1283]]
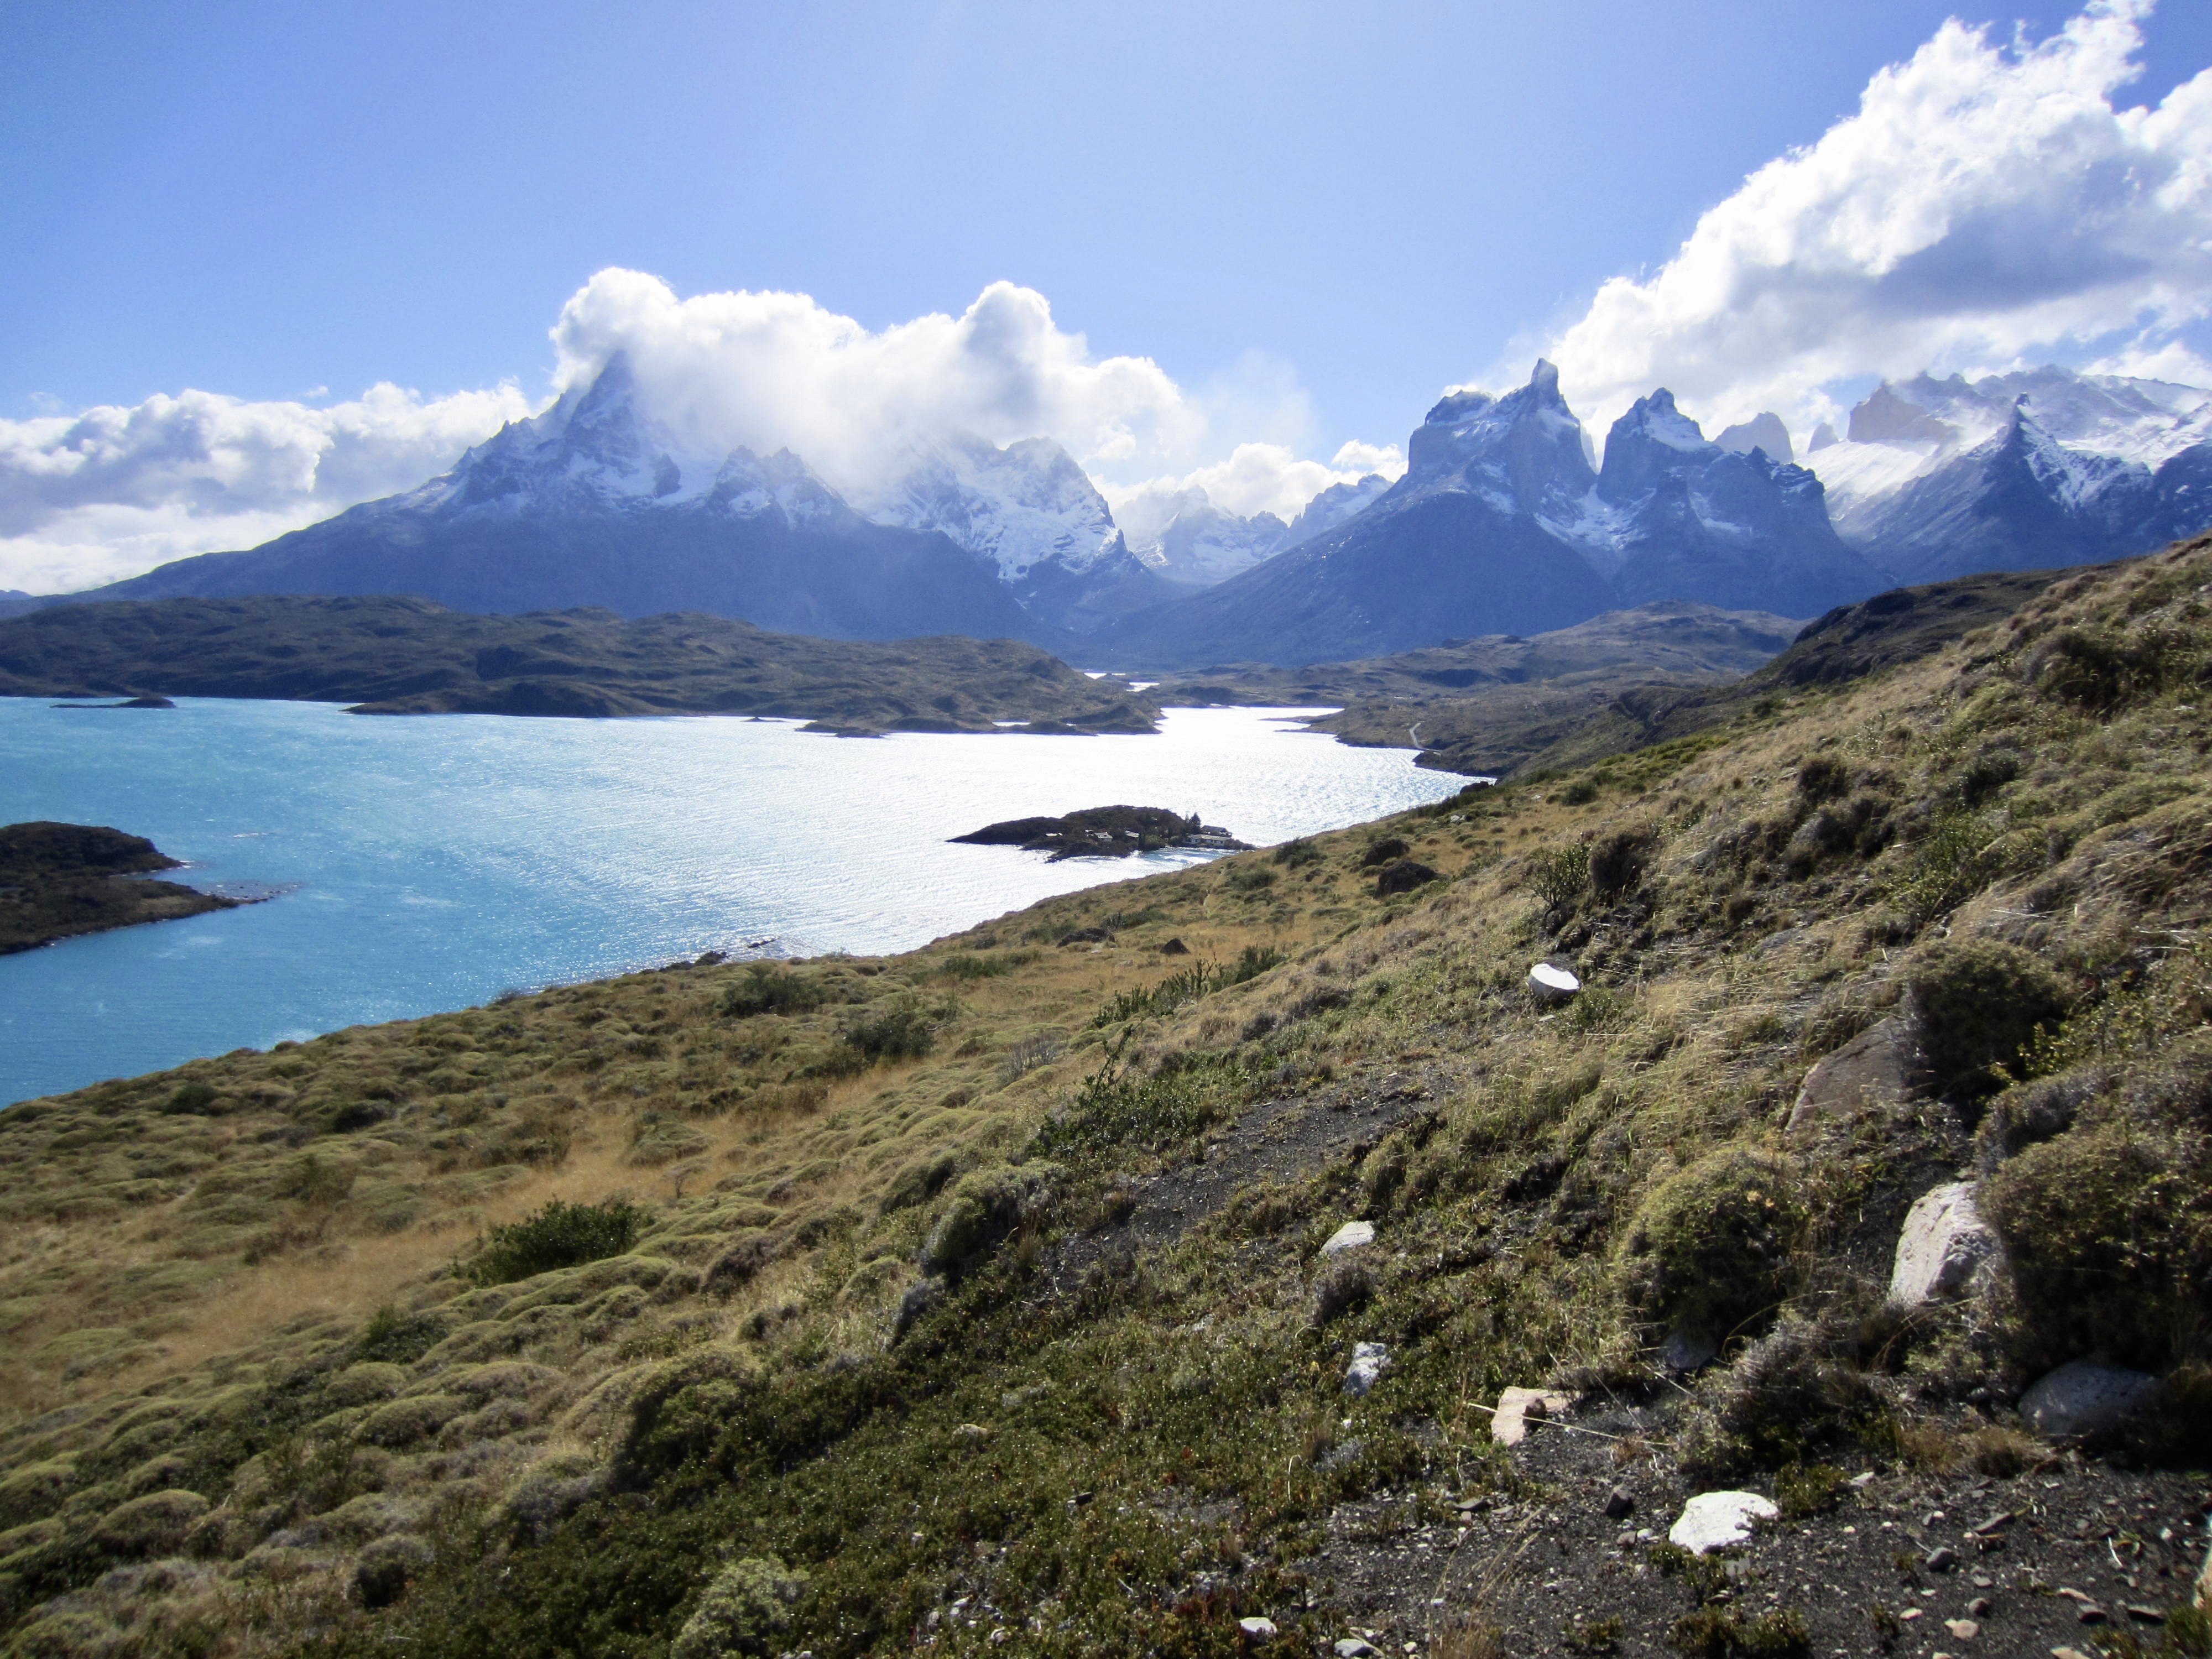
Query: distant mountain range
[[1504, 522]]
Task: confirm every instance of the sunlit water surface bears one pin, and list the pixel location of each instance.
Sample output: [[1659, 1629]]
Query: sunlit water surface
[[429, 862]]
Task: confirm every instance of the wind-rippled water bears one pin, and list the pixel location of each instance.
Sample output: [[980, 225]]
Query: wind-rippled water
[[432, 861]]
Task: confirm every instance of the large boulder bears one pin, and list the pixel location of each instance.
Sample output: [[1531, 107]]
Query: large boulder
[[1880, 1070], [2080, 1401], [1944, 1245]]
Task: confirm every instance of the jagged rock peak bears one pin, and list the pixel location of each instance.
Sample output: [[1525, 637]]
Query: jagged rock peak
[[1762, 431]]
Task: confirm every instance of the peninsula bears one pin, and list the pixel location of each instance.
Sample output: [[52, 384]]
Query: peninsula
[[1106, 832], [57, 880]]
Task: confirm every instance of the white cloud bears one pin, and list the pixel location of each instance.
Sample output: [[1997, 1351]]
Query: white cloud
[[773, 371], [105, 493], [1254, 478], [1990, 202]]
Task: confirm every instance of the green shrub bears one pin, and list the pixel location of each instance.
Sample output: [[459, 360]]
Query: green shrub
[[1114, 1109], [1581, 793], [905, 1033], [191, 1100], [562, 1235], [1981, 1003], [2103, 673], [1558, 877], [766, 990], [1297, 853], [984, 1207], [2109, 1230], [1710, 1249], [1249, 878], [964, 966], [743, 1611]]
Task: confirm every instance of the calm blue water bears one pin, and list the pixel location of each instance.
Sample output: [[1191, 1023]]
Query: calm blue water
[[434, 860]]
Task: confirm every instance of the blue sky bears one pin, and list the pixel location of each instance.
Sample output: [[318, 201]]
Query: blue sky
[[1311, 218]]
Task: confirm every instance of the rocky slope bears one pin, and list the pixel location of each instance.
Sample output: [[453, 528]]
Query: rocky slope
[[1002, 1296], [410, 656]]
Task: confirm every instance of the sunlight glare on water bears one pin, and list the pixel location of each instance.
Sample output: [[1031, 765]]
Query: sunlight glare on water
[[434, 860]]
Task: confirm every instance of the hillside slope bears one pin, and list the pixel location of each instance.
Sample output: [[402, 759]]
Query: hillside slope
[[979, 1298], [399, 655]]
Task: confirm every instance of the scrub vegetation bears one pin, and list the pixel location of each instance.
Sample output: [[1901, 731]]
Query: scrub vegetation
[[973, 1298]]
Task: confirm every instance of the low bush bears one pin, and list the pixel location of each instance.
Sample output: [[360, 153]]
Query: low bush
[[1981, 1003], [1710, 1251], [1557, 878], [984, 1207], [742, 1612], [561, 1235], [904, 1033], [766, 990]]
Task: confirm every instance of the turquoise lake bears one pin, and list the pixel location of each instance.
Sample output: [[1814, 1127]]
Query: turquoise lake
[[430, 862]]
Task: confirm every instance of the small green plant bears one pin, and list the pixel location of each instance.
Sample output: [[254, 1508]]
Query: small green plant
[[398, 1339], [1710, 1250], [561, 1235], [191, 1100], [1581, 793], [1804, 1490], [1296, 853], [766, 990], [964, 966], [1594, 1638], [1114, 1109], [1251, 878], [1558, 877]]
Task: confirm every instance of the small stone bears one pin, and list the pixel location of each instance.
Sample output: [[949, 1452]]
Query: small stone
[[1368, 1361], [1619, 1503], [1994, 1523], [2067, 1592], [1981, 1606], [1349, 1237], [1863, 1480], [1687, 1350], [1350, 1647], [1964, 1630], [2091, 1614], [2068, 1653], [1518, 1407], [1259, 1630], [2149, 1615], [1942, 1560], [2080, 1399], [1714, 1520], [1983, 1580], [1908, 1615]]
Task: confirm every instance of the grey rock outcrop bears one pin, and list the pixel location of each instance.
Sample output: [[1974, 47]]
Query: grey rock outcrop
[[1943, 1245], [1880, 1070]]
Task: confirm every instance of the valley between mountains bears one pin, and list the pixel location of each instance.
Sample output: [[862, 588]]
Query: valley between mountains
[[982, 1299]]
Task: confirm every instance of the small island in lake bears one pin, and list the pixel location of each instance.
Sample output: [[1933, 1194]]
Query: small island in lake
[[57, 880], [1105, 832]]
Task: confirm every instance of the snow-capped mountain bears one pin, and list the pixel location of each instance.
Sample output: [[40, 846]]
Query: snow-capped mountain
[[1035, 516], [2018, 471], [593, 504], [1195, 543], [1503, 524]]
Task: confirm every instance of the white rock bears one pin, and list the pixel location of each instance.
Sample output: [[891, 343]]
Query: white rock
[[1352, 1647], [1259, 1630], [1943, 1243], [1518, 1407], [1368, 1361], [1349, 1237], [1714, 1520], [2082, 1399], [1551, 984]]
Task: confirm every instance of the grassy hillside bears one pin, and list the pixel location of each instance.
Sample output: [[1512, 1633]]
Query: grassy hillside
[[975, 1299], [410, 656]]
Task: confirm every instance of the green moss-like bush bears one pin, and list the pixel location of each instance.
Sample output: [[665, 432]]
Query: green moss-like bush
[[559, 1236], [1982, 1002], [2109, 1230], [1710, 1249], [766, 990], [985, 1206], [899, 1034], [743, 1610]]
